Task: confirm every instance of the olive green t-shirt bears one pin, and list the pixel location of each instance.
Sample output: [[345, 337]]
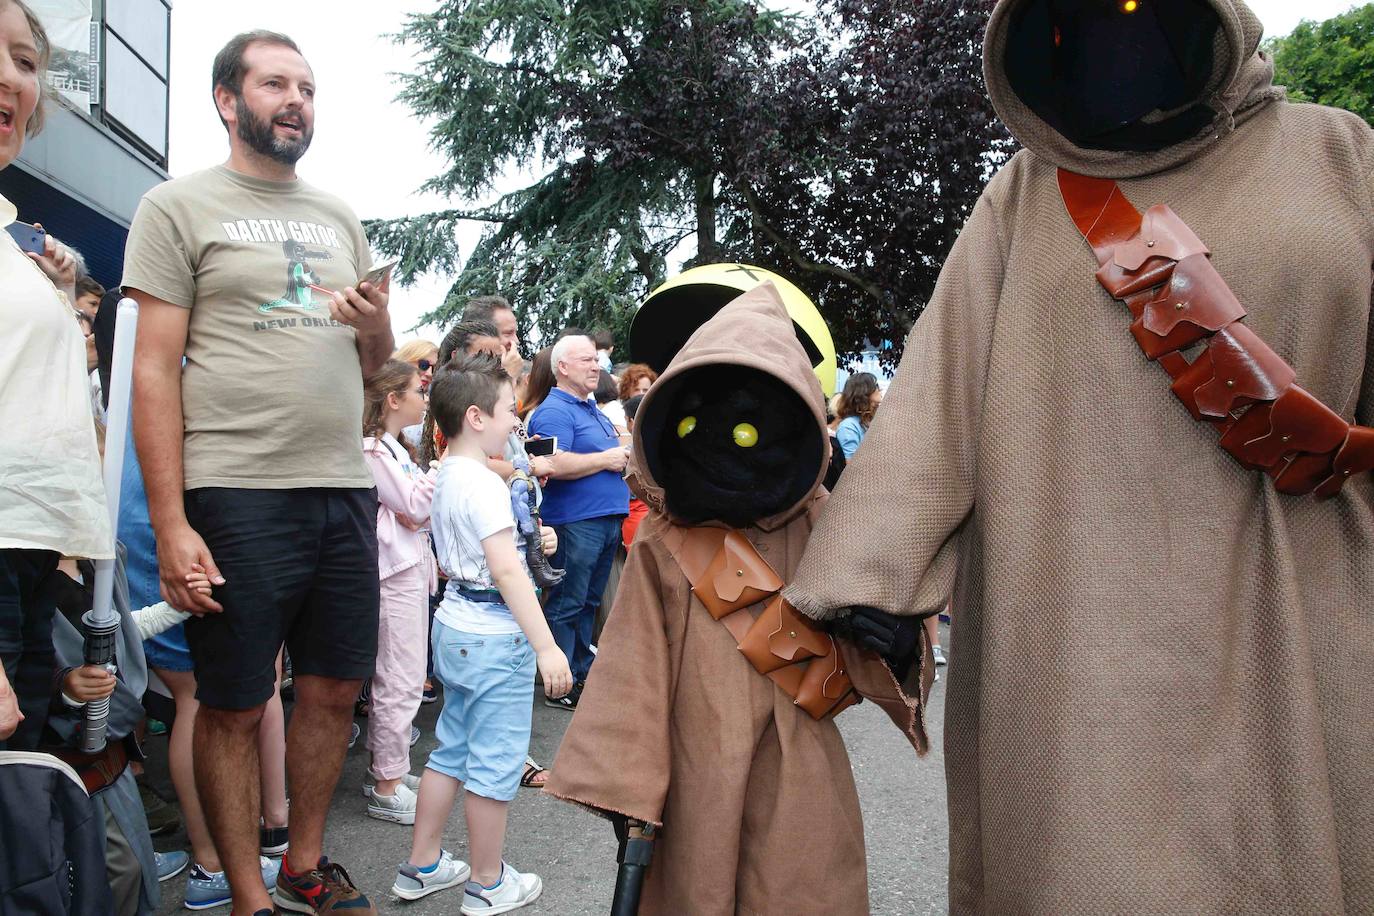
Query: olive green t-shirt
[[271, 390]]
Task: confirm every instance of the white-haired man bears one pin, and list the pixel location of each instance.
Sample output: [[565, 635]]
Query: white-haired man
[[585, 501]]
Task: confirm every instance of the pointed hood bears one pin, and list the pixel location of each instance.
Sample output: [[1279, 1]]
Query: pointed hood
[[753, 332], [1239, 85]]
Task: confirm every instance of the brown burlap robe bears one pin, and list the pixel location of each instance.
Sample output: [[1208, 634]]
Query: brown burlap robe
[[675, 727], [1162, 671]]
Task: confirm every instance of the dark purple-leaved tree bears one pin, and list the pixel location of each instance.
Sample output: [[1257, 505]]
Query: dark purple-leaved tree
[[844, 151]]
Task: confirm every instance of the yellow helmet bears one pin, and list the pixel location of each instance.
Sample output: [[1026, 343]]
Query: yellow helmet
[[676, 309]]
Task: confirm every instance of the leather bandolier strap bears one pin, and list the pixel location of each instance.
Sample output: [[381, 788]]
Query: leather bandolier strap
[[728, 576], [1162, 272]]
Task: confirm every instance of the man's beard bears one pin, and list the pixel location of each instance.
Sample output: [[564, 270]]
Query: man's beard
[[262, 139]]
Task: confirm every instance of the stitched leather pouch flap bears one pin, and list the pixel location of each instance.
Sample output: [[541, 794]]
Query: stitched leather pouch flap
[[1195, 302], [1296, 422], [780, 636], [1236, 367], [1162, 235], [825, 689], [736, 578], [1355, 457]]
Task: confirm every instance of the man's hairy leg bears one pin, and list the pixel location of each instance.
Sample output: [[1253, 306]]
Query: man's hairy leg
[[316, 743], [226, 766]]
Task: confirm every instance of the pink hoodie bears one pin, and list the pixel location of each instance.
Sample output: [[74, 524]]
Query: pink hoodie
[[403, 493]]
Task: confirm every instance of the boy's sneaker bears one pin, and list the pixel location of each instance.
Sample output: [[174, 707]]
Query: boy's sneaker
[[513, 891], [430, 694], [205, 889], [353, 732], [414, 735], [273, 841], [398, 808], [324, 889], [170, 864], [409, 780], [413, 882], [939, 655]]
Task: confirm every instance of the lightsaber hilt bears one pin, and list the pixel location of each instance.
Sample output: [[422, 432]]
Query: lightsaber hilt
[[99, 650], [101, 623]]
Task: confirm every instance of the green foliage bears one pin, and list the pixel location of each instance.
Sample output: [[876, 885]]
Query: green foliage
[[1330, 62]]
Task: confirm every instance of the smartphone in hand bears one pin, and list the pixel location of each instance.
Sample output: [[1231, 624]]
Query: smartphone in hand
[[541, 448], [378, 275], [29, 238]]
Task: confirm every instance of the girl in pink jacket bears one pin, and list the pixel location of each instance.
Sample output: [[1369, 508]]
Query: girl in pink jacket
[[393, 400]]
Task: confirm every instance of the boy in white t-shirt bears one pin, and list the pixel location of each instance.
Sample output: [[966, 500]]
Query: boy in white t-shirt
[[489, 635]]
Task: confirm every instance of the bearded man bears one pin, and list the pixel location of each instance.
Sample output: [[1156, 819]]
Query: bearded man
[[251, 460]]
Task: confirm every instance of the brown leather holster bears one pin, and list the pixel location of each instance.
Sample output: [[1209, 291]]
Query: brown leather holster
[[97, 771], [1162, 272], [730, 579]]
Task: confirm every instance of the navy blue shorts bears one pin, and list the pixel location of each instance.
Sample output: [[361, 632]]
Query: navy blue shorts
[[300, 568]]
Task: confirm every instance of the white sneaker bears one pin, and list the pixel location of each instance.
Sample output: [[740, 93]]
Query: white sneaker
[[398, 808], [939, 655], [412, 883], [514, 891], [409, 780]]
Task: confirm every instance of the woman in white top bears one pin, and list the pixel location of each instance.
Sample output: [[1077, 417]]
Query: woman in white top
[[52, 501]]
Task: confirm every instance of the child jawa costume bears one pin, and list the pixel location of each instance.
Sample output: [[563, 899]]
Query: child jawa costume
[[677, 727], [1159, 697]]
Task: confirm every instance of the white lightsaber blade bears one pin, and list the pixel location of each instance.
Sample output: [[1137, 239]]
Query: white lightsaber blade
[[102, 623], [116, 438]]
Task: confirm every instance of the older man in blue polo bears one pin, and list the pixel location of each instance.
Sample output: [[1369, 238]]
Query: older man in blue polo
[[585, 501]]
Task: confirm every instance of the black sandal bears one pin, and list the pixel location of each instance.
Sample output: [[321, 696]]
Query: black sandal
[[532, 771]]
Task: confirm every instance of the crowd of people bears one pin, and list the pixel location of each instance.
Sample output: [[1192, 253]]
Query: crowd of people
[[306, 510]]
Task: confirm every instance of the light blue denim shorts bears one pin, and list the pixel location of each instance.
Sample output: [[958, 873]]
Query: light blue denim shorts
[[484, 727]]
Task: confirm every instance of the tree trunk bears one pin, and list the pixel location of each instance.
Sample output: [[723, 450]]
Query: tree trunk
[[708, 251]]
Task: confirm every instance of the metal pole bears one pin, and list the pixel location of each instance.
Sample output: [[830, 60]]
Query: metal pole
[[101, 623], [636, 852]]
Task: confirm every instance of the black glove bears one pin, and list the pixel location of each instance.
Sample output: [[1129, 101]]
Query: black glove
[[896, 639]]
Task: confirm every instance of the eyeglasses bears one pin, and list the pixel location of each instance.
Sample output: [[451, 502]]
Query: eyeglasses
[[423, 364]]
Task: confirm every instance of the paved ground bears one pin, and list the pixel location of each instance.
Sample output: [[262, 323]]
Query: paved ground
[[574, 852]]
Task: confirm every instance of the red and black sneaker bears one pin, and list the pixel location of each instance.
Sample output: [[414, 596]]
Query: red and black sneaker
[[324, 889]]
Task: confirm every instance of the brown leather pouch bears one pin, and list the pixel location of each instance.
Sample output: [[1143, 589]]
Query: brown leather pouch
[[1235, 369], [1296, 422], [1193, 304], [735, 578], [825, 688], [1355, 457], [780, 636]]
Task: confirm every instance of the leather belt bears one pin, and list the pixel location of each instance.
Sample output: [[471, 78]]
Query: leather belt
[[1162, 272], [729, 578]]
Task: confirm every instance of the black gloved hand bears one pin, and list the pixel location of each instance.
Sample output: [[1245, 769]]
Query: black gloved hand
[[896, 639]]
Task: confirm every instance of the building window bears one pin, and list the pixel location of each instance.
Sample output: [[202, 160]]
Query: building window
[[110, 62]]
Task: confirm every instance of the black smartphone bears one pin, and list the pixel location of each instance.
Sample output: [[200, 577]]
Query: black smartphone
[[29, 238], [541, 448]]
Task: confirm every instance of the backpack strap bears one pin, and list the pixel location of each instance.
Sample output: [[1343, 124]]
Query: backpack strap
[[1154, 265]]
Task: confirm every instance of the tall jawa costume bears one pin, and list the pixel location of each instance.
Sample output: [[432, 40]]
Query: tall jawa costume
[[746, 774], [1160, 691]]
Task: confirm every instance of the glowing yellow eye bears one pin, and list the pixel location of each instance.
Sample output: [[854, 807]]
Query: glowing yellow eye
[[746, 436], [1130, 6], [685, 427]]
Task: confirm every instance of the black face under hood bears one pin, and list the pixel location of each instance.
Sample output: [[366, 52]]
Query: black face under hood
[[1115, 74]]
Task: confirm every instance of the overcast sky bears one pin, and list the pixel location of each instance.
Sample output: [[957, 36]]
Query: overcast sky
[[368, 148]]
